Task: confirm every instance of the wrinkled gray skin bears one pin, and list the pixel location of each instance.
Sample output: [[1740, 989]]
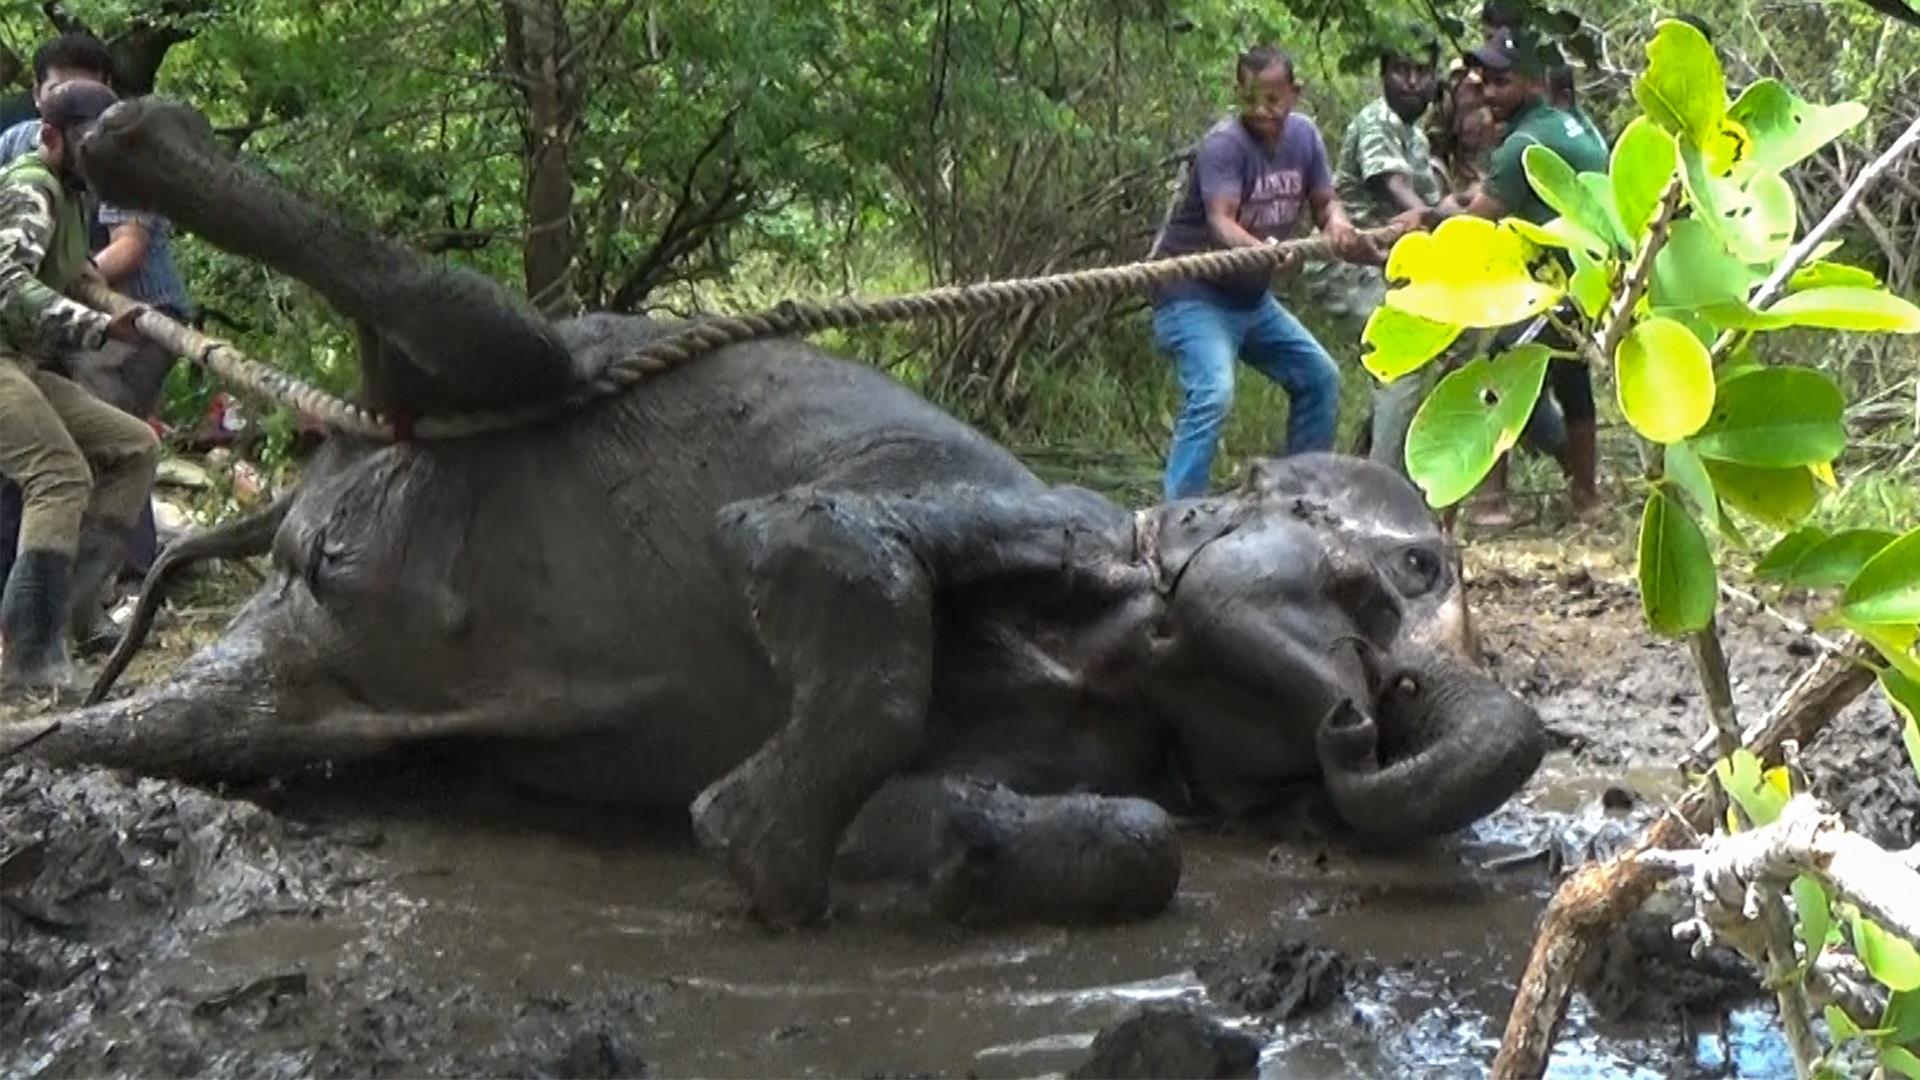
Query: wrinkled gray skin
[[784, 591]]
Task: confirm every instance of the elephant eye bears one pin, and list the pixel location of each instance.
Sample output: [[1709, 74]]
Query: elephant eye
[[1418, 570]]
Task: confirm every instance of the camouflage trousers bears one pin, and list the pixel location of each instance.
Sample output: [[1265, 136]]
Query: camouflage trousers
[[73, 455]]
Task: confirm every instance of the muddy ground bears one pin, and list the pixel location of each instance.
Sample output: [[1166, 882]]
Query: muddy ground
[[393, 924]]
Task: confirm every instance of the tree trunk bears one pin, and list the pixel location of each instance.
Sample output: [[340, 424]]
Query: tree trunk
[[538, 44]]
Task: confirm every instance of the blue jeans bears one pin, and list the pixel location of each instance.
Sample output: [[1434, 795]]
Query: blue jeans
[[1204, 339]]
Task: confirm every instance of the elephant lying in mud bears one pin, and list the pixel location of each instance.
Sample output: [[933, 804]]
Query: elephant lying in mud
[[784, 590]]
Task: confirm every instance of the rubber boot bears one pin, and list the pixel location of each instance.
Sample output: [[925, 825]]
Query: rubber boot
[[96, 569], [1583, 469], [33, 624]]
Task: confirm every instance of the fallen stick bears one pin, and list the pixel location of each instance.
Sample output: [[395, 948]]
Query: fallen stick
[[1598, 896]]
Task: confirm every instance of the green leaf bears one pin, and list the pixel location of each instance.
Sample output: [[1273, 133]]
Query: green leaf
[[1819, 275], [1785, 128], [1591, 286], [1837, 559], [1682, 466], [1679, 585], [1402, 342], [1474, 414], [1816, 915], [1779, 560], [1683, 89], [1901, 1017], [1775, 417], [1781, 498], [1891, 961], [1664, 380], [1900, 1060], [1847, 307], [1840, 1024], [1695, 270], [1754, 790], [1643, 162], [1886, 591], [1561, 188], [1903, 693], [1754, 217], [1469, 272]]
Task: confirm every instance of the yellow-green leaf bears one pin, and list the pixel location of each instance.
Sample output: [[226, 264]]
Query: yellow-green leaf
[[1643, 162], [1474, 414], [1785, 128], [1891, 961], [1473, 273], [1683, 88], [1679, 585], [1591, 285], [1560, 188], [1779, 560], [1684, 468], [1665, 380], [1402, 342], [1816, 915], [1820, 275], [1847, 307], [1695, 270]]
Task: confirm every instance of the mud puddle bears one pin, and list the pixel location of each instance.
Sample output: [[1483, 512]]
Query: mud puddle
[[444, 929]]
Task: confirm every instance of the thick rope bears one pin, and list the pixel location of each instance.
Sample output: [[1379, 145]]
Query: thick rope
[[707, 335], [236, 369]]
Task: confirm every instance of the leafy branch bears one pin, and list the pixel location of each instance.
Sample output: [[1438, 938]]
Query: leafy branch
[[1683, 258]]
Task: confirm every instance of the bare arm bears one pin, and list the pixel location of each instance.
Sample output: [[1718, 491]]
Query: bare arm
[[1223, 219], [125, 252]]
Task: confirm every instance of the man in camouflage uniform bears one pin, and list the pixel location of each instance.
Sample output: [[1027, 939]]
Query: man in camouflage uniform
[[76, 458], [1385, 172]]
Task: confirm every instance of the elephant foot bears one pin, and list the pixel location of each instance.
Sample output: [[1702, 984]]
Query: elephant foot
[[781, 866], [1002, 857]]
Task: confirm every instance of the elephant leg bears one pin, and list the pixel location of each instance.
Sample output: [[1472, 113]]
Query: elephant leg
[[990, 855], [844, 611]]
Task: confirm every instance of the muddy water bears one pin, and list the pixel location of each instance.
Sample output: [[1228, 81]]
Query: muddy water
[[449, 929]]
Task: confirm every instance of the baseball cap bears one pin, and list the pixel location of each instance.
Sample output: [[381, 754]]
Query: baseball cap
[[1500, 53], [76, 102]]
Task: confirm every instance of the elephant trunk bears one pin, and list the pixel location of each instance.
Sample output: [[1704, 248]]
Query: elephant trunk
[[227, 712], [1443, 746]]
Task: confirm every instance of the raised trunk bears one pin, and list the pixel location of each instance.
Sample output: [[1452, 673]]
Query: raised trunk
[[474, 344], [1446, 745]]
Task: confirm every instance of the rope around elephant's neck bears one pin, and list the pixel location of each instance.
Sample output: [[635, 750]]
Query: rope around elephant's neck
[[707, 335]]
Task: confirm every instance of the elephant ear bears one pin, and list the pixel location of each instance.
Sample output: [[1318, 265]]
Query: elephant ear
[[449, 339]]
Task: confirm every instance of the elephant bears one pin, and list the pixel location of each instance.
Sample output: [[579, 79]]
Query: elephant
[[783, 593]]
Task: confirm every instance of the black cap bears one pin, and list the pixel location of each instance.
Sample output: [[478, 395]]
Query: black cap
[[1496, 53], [74, 103]]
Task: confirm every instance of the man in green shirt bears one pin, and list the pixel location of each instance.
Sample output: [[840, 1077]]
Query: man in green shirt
[[76, 458], [1385, 170], [1514, 86]]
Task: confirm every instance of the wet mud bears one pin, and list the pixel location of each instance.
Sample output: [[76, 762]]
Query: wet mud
[[404, 921]]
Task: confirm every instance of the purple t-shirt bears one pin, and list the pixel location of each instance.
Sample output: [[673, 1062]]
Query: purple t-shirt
[[1272, 181]]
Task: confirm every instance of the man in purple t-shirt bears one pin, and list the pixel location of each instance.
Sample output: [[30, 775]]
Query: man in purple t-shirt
[[1251, 177]]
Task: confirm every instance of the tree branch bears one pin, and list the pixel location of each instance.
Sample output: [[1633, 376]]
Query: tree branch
[[1805, 839], [1596, 897]]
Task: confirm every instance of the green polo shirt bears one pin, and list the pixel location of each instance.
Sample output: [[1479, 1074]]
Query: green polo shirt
[[1577, 142]]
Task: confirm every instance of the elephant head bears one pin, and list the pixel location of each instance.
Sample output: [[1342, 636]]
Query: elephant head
[[1317, 615]]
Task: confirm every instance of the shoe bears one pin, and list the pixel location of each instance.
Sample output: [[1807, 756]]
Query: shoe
[[95, 570], [33, 622]]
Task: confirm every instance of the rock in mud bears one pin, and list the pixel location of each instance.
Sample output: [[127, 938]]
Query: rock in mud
[[1286, 980], [1163, 1040]]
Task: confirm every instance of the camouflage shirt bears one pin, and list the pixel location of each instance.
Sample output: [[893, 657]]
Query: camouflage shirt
[[1379, 142], [43, 248]]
